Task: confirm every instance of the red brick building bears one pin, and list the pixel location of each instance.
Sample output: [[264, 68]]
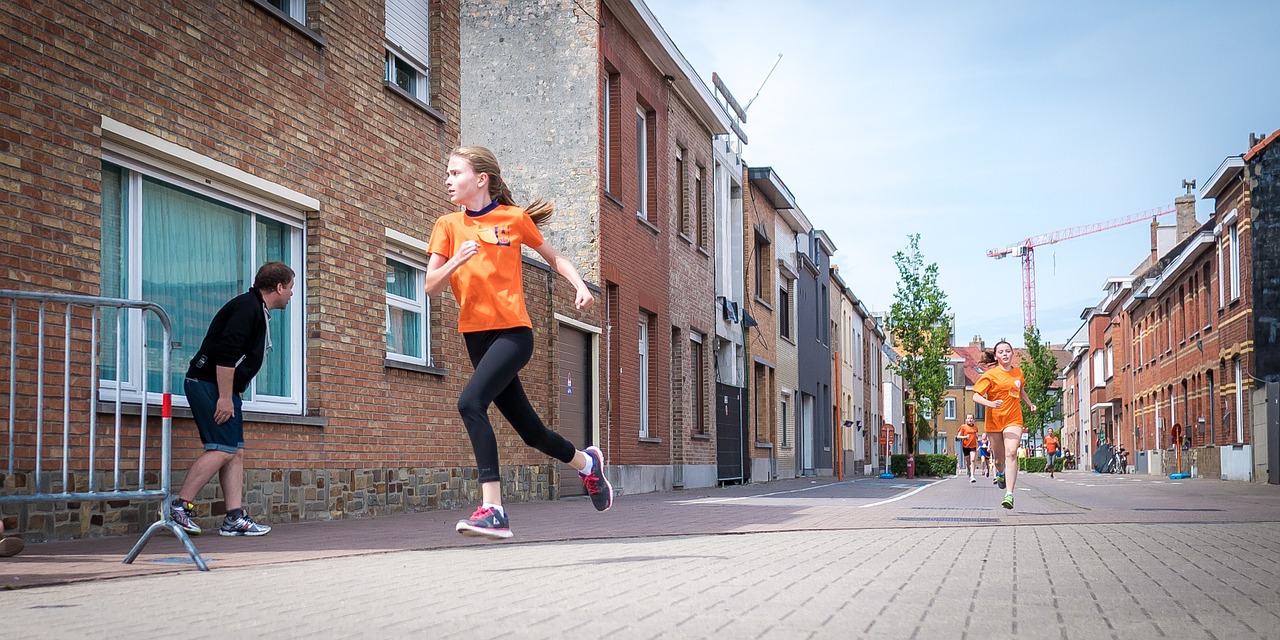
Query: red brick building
[[163, 151], [1170, 351]]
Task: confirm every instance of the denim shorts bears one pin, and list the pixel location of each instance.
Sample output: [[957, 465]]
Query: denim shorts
[[227, 437]]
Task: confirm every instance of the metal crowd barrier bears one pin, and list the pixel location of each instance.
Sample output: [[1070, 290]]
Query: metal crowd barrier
[[38, 440]]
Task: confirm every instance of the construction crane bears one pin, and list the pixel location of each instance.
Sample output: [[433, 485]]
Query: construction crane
[[1025, 249]]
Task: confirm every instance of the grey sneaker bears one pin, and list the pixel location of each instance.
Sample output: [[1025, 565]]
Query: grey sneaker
[[486, 522], [242, 526], [180, 513], [11, 546], [597, 485]]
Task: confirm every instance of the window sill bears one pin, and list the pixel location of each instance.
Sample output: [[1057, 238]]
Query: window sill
[[291, 23], [260, 417], [413, 100], [682, 236], [650, 440], [764, 303], [700, 436], [1207, 328], [764, 445], [787, 339], [704, 252], [410, 366], [614, 199], [648, 225]]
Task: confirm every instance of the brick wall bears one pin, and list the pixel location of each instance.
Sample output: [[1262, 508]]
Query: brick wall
[[635, 254], [305, 109]]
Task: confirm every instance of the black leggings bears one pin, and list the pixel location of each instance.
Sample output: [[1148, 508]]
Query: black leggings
[[498, 356]]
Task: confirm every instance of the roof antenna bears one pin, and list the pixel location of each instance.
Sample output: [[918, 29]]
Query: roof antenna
[[766, 79]]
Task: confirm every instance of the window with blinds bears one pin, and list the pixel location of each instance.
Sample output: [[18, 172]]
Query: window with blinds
[[408, 51]]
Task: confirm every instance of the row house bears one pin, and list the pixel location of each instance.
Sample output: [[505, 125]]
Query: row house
[[1168, 358], [195, 145], [631, 144], [768, 192], [163, 152], [855, 344]]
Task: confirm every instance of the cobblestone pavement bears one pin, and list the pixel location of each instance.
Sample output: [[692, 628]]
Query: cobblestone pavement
[[1082, 556]]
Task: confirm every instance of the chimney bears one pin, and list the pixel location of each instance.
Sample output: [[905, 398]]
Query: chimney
[[1155, 240], [1186, 204], [977, 343]]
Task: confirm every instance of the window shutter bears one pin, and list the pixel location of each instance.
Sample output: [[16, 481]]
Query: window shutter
[[408, 23]]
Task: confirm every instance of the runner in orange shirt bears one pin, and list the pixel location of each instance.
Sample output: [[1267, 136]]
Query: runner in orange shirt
[[1050, 450], [477, 252], [1000, 390], [969, 443]]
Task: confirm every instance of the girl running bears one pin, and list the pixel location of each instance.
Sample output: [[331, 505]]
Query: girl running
[[477, 252], [1000, 389]]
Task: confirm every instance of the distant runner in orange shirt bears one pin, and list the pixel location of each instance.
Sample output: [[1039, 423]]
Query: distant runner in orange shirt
[[1050, 450], [969, 443], [1000, 390], [477, 252]]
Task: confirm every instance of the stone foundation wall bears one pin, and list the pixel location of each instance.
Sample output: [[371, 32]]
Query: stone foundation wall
[[272, 496]]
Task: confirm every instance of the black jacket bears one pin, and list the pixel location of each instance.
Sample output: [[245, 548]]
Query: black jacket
[[237, 338]]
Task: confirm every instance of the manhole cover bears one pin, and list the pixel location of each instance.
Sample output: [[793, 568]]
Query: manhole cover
[[908, 519], [1174, 509], [953, 508]]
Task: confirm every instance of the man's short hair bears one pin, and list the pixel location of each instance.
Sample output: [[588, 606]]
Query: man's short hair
[[271, 275]]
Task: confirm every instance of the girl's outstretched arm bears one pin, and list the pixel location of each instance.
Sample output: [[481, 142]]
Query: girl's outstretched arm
[[564, 267]]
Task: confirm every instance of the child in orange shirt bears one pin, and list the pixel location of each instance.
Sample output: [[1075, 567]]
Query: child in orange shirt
[[1000, 390], [477, 252], [1050, 450]]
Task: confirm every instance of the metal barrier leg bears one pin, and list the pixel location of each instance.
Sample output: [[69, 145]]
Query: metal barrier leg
[[165, 522]]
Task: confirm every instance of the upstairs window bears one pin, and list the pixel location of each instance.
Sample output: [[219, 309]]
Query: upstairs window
[[408, 25]]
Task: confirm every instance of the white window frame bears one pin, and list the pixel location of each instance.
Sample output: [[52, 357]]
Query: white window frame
[[402, 248], [1110, 361], [643, 367], [949, 409], [642, 162], [926, 411], [1222, 273], [951, 375], [408, 41], [1233, 233], [1239, 401], [209, 178], [786, 416], [296, 9], [1099, 379], [608, 133]]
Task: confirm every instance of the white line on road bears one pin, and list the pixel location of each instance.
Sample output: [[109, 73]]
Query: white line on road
[[905, 495], [760, 495]]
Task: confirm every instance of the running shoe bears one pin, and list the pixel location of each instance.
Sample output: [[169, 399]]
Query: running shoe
[[597, 485], [486, 522], [242, 526], [972, 479], [180, 513], [1008, 501], [1000, 480]]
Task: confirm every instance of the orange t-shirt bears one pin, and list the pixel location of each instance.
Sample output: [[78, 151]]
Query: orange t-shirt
[[969, 433], [1050, 444], [998, 384], [488, 287]]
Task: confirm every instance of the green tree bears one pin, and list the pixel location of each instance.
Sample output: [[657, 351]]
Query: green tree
[[921, 330], [1039, 371]]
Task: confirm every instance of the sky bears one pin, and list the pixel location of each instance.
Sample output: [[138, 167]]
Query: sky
[[979, 124]]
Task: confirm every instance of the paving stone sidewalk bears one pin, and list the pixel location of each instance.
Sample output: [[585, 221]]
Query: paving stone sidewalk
[[1083, 556]]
